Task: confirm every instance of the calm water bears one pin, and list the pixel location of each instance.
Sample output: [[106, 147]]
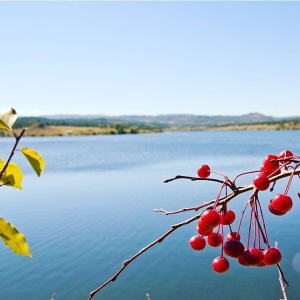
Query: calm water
[[93, 208]]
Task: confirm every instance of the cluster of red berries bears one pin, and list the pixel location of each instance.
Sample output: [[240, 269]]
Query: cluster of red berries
[[273, 165], [256, 251], [231, 244]]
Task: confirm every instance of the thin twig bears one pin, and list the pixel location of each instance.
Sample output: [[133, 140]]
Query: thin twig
[[237, 191], [283, 283], [128, 261], [12, 152]]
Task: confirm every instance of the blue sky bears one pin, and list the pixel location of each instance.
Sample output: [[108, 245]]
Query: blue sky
[[123, 58]]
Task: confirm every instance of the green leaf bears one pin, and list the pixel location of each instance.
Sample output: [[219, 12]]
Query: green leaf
[[7, 119], [35, 159], [13, 239], [12, 176]]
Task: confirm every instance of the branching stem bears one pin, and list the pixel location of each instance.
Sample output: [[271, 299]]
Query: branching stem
[[18, 138], [235, 192]]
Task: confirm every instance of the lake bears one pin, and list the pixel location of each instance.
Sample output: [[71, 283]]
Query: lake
[[93, 208]]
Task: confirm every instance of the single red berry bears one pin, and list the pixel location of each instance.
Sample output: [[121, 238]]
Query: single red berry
[[214, 239], [233, 248], [253, 256], [285, 154], [203, 171], [299, 194], [227, 217], [197, 242], [282, 203], [271, 163], [274, 211], [233, 236], [220, 264], [202, 230], [272, 256], [209, 218], [261, 181]]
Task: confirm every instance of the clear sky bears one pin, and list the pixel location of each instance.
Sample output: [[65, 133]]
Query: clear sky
[[124, 58]]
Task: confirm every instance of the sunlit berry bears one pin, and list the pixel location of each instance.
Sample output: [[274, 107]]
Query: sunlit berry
[[271, 163], [209, 218], [227, 217], [274, 211], [285, 154], [253, 256], [282, 203], [261, 181], [203, 171], [197, 242], [214, 239], [272, 256], [204, 230], [220, 264], [233, 236]]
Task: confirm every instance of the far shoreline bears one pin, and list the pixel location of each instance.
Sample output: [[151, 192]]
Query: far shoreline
[[52, 130]]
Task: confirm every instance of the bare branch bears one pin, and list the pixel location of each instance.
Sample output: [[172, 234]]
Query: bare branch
[[128, 261], [282, 281], [237, 191], [221, 201], [12, 151]]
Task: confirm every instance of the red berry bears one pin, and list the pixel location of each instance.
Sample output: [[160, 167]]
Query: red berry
[[285, 154], [227, 217], [282, 203], [220, 264], [214, 239], [233, 236], [272, 256], [271, 163], [203, 171], [202, 230], [274, 211], [261, 182], [233, 248], [197, 242], [209, 218], [253, 256]]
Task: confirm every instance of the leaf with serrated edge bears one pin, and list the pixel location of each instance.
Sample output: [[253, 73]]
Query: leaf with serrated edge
[[13, 239], [7, 119], [35, 159]]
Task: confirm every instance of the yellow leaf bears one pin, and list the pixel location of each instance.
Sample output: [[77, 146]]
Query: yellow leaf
[[13, 239], [12, 176], [35, 159], [7, 119]]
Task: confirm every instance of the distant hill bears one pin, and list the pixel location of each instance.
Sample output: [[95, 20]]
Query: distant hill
[[61, 125], [163, 121]]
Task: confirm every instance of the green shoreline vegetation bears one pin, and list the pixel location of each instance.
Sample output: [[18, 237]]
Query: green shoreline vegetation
[[76, 127]]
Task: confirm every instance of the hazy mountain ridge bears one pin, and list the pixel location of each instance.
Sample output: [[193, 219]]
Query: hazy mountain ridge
[[171, 120]]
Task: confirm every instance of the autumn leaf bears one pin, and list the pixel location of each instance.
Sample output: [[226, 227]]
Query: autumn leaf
[[13, 239], [35, 159], [12, 175]]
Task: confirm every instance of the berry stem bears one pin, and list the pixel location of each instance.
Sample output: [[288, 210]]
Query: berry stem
[[290, 179]]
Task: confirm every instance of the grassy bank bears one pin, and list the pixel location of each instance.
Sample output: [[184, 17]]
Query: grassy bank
[[80, 130], [54, 130]]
